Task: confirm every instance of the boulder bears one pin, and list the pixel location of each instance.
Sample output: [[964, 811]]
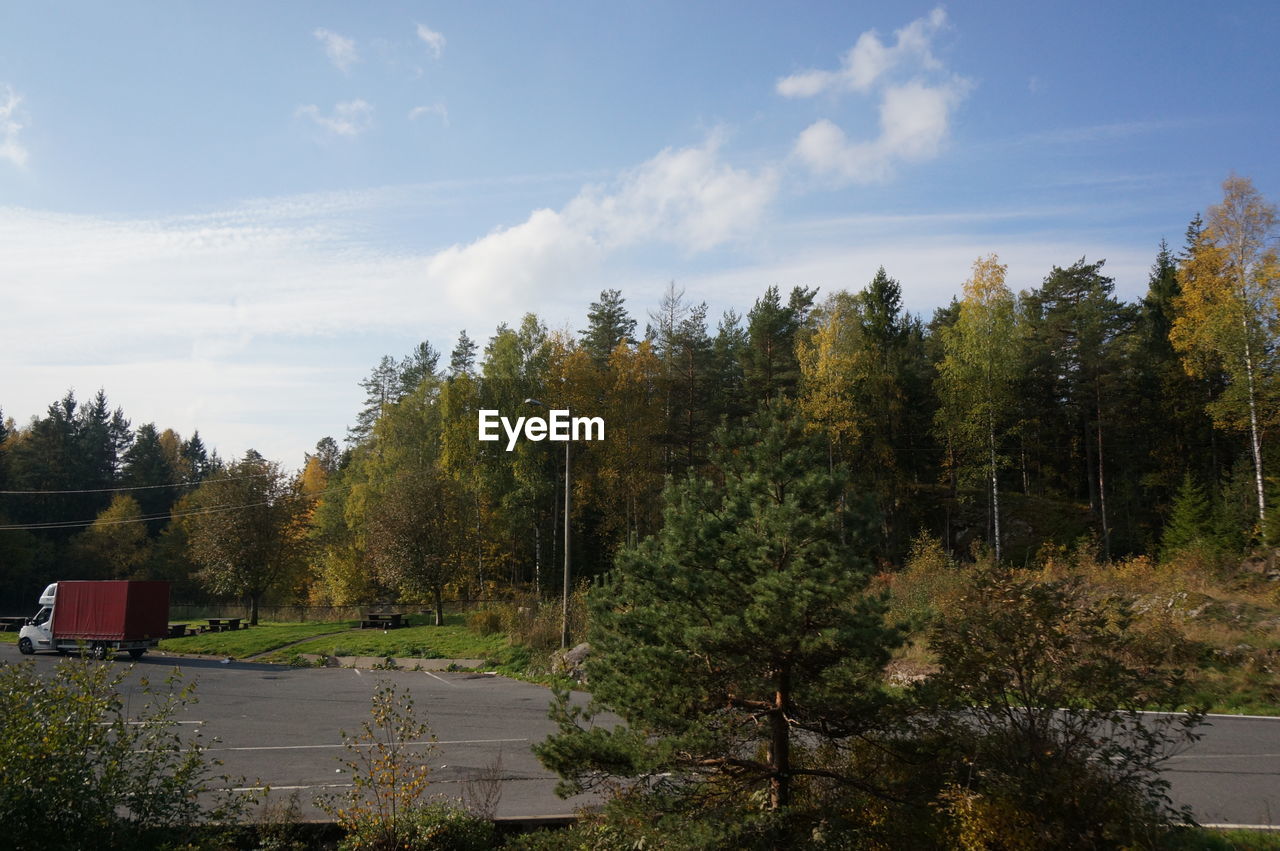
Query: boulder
[[570, 662]]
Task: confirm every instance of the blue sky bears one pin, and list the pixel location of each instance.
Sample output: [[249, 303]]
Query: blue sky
[[224, 214]]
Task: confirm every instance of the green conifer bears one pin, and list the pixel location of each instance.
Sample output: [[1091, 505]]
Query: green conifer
[[739, 638]]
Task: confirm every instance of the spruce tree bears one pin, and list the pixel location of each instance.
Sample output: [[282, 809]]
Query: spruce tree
[[1190, 521], [738, 639]]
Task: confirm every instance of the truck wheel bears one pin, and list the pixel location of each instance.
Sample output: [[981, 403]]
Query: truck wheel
[[136, 653], [25, 647], [102, 652]]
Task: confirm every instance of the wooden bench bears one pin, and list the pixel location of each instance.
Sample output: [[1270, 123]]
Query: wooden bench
[[382, 620], [223, 624]]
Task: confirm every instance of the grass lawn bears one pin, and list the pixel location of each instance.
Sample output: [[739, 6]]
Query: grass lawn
[[451, 641], [1201, 839], [8, 638], [250, 642]]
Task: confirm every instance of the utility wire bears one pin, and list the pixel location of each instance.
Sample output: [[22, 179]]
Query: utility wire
[[216, 509], [134, 488]]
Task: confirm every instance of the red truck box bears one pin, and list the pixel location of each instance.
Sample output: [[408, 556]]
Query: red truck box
[[123, 610]]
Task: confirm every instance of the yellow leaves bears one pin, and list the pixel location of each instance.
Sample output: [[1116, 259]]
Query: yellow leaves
[[1226, 313]]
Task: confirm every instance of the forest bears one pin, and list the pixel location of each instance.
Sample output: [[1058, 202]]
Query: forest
[[1004, 423]]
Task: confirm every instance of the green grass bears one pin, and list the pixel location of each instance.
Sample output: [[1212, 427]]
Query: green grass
[[451, 641], [8, 638], [1201, 839], [250, 642]]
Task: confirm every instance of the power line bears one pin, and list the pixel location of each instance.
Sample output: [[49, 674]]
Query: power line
[[82, 524], [133, 488]]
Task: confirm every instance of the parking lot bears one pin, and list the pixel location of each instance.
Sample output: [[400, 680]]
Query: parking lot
[[282, 727]]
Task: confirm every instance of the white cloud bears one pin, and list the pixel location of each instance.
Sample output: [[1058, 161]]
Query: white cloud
[[917, 97], [10, 126], [349, 118], [256, 320], [870, 59], [340, 49], [432, 39], [434, 109], [686, 198]]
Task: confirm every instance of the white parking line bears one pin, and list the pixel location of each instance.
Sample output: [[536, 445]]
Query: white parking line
[[441, 679], [341, 745], [1226, 756]]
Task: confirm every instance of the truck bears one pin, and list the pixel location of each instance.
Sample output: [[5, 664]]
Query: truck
[[100, 618]]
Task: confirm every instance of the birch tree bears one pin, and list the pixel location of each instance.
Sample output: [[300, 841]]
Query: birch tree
[[976, 380], [1228, 312]]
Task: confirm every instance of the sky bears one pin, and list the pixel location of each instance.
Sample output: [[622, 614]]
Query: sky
[[224, 214]]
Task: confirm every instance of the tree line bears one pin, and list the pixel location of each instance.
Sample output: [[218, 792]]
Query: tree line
[[1007, 420]]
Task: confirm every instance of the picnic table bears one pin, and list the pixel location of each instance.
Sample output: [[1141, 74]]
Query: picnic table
[[382, 620], [12, 624], [177, 630], [223, 624]]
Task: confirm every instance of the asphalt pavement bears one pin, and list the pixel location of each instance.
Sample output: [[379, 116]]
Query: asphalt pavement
[[282, 727]]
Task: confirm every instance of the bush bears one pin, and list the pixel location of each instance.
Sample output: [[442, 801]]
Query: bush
[[1047, 745], [75, 764], [387, 761], [431, 827], [929, 580], [536, 624], [485, 621]]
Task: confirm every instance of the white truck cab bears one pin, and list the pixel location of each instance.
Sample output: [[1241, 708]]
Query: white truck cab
[[38, 633]]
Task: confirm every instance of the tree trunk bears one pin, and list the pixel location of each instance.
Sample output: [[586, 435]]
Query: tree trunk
[[1026, 479], [995, 493], [537, 559], [780, 745], [1102, 483], [438, 597], [253, 609], [1255, 439]]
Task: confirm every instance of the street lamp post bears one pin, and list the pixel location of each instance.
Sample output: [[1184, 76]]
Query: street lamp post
[[568, 489]]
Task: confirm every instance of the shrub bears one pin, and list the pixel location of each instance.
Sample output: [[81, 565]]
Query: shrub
[[387, 761], [930, 579], [76, 764], [486, 621], [428, 827], [1048, 744]]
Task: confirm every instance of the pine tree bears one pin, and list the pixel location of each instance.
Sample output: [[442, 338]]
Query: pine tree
[[737, 639], [770, 365], [462, 361], [608, 324], [1075, 330], [420, 365], [381, 389]]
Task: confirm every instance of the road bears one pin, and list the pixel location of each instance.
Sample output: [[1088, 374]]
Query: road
[[282, 727]]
